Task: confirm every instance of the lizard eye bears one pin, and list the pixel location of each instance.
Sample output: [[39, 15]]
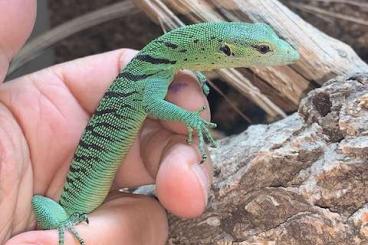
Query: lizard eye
[[225, 49], [263, 48]]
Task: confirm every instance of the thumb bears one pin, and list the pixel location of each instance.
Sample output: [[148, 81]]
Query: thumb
[[124, 219]]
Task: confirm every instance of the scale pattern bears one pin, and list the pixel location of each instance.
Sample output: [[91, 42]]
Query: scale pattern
[[138, 91]]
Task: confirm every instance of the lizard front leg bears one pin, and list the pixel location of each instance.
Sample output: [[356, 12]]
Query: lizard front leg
[[156, 106]]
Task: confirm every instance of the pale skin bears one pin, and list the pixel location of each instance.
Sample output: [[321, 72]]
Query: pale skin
[[42, 116]]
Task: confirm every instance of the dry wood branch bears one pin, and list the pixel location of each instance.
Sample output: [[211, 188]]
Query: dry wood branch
[[252, 92]]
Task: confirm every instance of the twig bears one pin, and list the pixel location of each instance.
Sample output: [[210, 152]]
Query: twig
[[309, 8], [354, 3]]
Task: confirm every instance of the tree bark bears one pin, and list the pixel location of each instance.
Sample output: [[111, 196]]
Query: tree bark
[[301, 180]]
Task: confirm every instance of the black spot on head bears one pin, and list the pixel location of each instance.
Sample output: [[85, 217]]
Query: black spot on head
[[196, 40], [212, 63], [232, 54], [213, 37], [220, 40], [183, 50], [185, 59], [202, 49], [171, 45], [225, 49]]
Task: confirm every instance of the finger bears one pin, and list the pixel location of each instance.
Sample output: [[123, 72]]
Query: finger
[[182, 184], [88, 78], [130, 220], [153, 140], [186, 93], [21, 14]]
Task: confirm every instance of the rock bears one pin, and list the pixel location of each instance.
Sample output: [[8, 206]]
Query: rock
[[302, 180]]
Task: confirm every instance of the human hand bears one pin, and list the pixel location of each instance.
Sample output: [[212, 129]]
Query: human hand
[[42, 116]]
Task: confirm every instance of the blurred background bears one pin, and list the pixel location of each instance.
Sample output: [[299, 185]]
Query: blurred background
[[130, 27]]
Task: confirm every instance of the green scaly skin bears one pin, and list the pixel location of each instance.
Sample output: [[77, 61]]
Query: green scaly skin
[[138, 92]]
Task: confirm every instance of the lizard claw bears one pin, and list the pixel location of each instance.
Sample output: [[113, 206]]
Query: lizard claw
[[69, 225], [205, 88], [194, 122], [202, 81]]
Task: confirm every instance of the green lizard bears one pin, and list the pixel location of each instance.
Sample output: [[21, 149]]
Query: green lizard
[[139, 91]]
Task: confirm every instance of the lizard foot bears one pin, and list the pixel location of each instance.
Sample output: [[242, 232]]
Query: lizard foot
[[51, 215], [69, 224], [193, 120]]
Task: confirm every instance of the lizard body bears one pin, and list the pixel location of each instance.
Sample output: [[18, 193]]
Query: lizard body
[[139, 91]]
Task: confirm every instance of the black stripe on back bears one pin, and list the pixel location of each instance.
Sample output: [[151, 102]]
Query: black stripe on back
[[85, 158], [119, 94], [100, 135], [90, 145], [115, 111], [71, 180], [105, 111], [168, 44], [153, 60], [102, 124], [88, 162], [171, 45], [76, 169], [133, 77]]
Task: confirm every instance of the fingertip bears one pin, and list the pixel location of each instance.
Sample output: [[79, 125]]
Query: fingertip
[[182, 184], [126, 56], [185, 92], [42, 237], [185, 86], [21, 14]]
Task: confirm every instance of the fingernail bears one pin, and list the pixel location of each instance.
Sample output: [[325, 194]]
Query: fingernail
[[202, 177]]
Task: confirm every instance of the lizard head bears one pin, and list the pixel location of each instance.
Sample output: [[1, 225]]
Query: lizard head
[[207, 46], [255, 44]]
